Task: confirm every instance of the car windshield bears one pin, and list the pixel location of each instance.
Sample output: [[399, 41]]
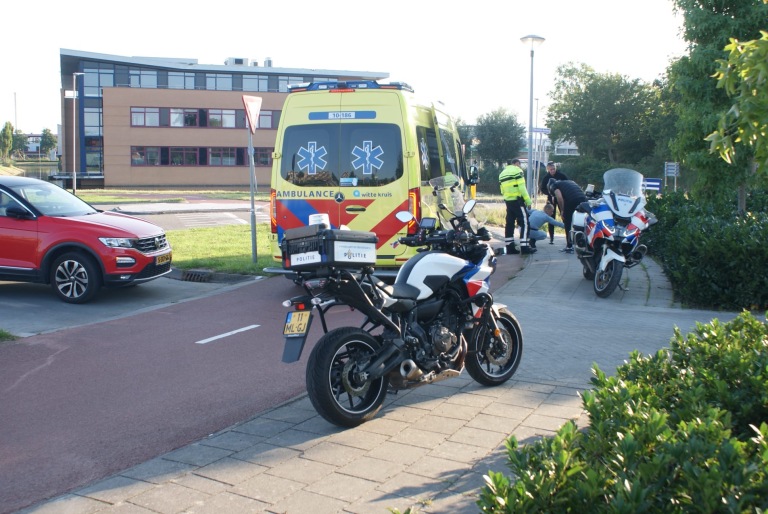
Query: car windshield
[[51, 200]]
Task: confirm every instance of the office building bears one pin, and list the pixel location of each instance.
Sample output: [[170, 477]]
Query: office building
[[142, 122]]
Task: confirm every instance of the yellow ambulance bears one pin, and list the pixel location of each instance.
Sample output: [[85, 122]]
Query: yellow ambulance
[[355, 153]]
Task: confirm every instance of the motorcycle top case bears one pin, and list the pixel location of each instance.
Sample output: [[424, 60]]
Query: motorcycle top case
[[316, 246]]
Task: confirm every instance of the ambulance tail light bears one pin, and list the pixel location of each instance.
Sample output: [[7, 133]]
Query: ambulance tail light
[[414, 207], [273, 211]]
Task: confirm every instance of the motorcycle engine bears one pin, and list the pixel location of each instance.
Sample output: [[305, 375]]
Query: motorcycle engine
[[442, 339]]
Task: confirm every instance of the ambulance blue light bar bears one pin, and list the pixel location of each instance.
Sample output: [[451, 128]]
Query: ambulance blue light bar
[[346, 85]]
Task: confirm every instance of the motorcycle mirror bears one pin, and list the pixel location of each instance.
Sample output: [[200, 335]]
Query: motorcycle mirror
[[404, 216], [469, 206]]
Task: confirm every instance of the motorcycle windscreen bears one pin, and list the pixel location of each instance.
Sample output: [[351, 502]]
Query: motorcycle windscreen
[[623, 181]]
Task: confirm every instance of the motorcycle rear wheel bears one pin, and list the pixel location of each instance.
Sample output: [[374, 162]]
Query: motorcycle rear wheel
[[333, 389], [493, 360], [606, 281]]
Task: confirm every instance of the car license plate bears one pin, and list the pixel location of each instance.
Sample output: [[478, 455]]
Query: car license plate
[[297, 323], [162, 259]]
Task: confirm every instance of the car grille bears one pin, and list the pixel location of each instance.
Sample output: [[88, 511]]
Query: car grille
[[153, 270], [151, 244]]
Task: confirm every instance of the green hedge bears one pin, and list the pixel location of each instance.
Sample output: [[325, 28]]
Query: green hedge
[[713, 256], [678, 432]]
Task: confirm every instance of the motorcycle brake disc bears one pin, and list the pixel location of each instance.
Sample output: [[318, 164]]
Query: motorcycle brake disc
[[503, 356]]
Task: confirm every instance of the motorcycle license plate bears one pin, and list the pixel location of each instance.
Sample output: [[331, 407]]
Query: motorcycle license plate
[[295, 332], [297, 323]]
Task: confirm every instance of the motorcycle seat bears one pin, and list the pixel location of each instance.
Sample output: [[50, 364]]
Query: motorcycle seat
[[402, 291]]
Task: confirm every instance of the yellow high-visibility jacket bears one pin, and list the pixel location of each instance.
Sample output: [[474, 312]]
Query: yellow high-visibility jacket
[[512, 184]]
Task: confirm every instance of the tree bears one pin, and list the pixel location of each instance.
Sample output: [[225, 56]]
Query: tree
[[744, 76], [708, 26], [6, 140], [608, 116], [19, 147], [500, 135], [47, 142]]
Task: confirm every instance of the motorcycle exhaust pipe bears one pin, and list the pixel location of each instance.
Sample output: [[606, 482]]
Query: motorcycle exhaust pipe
[[580, 239], [409, 370], [639, 253]]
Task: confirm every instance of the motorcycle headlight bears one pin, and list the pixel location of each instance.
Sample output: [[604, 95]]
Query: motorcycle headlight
[[117, 242]]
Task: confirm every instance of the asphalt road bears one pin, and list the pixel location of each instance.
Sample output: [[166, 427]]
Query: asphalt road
[[81, 403]]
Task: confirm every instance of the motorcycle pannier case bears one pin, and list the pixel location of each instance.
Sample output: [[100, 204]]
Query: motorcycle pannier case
[[579, 220], [315, 246]]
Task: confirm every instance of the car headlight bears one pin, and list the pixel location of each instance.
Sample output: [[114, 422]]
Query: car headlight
[[117, 242]]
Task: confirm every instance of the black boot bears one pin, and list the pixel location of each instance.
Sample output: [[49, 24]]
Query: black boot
[[511, 249]]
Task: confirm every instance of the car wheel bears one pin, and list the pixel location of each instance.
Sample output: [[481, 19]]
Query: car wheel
[[75, 277]]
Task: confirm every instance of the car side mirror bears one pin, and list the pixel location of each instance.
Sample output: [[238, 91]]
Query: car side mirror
[[17, 212]]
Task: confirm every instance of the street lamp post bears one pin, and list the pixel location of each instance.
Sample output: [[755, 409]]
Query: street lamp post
[[74, 132], [533, 41]]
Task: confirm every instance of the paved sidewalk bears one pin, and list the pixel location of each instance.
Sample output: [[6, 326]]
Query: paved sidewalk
[[429, 447]]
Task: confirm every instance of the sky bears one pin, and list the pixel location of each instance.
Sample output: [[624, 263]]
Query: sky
[[467, 55]]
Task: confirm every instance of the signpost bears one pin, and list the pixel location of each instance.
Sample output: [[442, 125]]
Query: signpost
[[671, 169], [252, 108]]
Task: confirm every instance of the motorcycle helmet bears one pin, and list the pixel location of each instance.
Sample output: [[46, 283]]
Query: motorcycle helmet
[[551, 186]]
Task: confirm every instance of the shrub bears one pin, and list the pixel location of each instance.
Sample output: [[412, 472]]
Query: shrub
[[681, 431], [713, 256]]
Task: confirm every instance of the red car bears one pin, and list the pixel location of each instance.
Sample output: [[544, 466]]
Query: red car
[[50, 236]]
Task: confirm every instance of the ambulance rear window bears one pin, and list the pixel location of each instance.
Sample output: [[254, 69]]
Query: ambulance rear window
[[342, 154]]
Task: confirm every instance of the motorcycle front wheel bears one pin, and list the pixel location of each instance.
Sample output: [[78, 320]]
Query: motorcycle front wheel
[[333, 385], [493, 360], [606, 281]]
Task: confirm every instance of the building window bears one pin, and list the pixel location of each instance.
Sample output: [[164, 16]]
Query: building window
[[145, 156], [183, 156], [183, 118], [222, 157], [92, 121], [255, 83], [221, 118], [262, 156], [265, 120], [218, 81], [143, 78], [181, 80], [145, 117], [193, 156]]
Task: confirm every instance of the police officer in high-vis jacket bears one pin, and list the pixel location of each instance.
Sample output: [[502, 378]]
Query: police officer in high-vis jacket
[[512, 184]]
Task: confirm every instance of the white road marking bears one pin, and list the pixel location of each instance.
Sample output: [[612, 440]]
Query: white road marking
[[227, 334], [210, 219]]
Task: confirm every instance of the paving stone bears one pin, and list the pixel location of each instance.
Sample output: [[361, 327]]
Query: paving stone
[[232, 440], [169, 498], [197, 454], [342, 487], [115, 489], [268, 488], [369, 468], [308, 502], [230, 471], [157, 470], [302, 470], [227, 502], [335, 454]]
